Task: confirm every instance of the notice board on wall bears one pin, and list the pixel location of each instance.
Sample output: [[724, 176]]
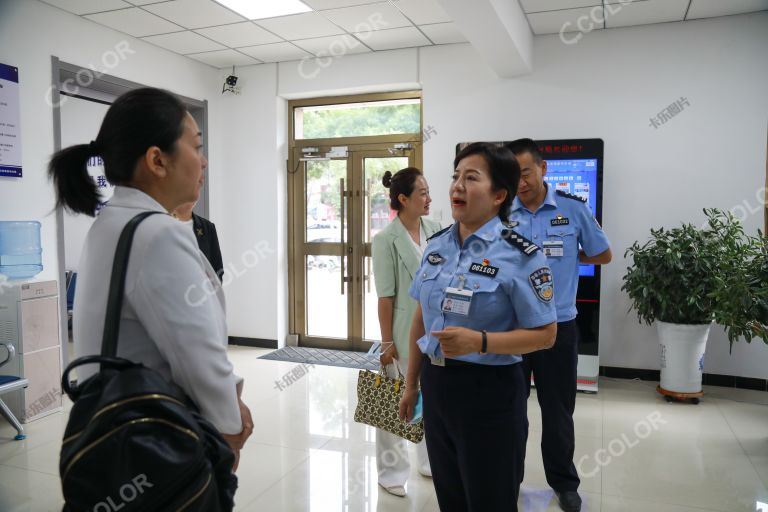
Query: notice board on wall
[[10, 128]]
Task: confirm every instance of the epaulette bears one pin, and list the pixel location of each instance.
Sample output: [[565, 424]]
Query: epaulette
[[570, 196], [515, 239], [439, 232]]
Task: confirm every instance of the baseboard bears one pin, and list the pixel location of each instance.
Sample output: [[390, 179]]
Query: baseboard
[[708, 379], [252, 342]]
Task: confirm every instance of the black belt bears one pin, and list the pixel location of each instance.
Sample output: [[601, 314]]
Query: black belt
[[459, 362]]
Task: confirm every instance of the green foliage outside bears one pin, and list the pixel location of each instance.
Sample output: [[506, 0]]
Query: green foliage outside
[[329, 172], [362, 121]]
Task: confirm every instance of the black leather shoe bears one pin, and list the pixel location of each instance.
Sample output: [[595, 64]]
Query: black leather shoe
[[569, 501]]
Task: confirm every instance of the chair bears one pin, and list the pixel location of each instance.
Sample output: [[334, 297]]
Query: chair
[[10, 383]]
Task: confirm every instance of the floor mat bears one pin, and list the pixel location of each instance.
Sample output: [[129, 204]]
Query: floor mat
[[346, 359]]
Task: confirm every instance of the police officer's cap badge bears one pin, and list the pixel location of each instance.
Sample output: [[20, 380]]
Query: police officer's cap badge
[[541, 281]]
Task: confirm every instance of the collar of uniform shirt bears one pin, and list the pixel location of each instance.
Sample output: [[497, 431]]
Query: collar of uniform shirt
[[549, 200], [487, 231]]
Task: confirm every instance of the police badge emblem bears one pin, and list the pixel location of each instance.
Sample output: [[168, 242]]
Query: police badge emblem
[[542, 284], [434, 258]]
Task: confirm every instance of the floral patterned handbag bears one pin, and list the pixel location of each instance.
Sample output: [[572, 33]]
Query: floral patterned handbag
[[378, 402]]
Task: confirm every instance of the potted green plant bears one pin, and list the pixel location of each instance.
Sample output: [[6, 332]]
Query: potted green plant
[[686, 278]]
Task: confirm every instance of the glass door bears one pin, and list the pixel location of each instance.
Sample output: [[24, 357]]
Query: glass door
[[338, 206]]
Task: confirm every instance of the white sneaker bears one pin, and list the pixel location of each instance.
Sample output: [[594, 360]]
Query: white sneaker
[[395, 490], [426, 471]]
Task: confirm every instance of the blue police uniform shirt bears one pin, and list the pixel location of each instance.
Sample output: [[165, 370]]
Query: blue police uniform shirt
[[511, 284], [559, 226]]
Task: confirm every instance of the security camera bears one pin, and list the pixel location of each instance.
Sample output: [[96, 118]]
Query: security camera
[[230, 84]]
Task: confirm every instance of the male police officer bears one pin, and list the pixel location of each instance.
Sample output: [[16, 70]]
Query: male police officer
[[560, 224]]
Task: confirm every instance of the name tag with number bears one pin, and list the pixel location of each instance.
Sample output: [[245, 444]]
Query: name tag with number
[[457, 301], [553, 248]]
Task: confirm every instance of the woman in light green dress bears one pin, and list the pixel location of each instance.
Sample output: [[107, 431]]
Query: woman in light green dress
[[397, 251]]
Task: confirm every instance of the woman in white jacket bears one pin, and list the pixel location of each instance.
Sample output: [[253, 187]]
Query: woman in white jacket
[[152, 153]]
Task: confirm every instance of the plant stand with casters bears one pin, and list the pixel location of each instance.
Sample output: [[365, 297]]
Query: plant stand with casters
[[669, 396]]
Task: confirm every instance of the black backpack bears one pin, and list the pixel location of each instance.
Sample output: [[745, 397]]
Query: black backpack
[[133, 441]]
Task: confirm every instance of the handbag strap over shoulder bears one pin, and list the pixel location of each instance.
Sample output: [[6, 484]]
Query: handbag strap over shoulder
[[117, 285]]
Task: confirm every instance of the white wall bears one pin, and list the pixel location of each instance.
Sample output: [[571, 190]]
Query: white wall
[[246, 203], [30, 33], [608, 86]]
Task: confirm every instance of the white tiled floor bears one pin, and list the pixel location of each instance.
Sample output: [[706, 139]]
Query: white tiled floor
[[636, 452]]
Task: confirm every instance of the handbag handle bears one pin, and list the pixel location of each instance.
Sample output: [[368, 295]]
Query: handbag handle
[[117, 285], [400, 375]]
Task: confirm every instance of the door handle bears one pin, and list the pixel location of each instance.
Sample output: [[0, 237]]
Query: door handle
[[342, 215]]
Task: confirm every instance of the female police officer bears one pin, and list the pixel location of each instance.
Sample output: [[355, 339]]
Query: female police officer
[[501, 305]]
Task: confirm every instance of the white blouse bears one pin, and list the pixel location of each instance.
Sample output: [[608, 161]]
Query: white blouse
[[423, 242]]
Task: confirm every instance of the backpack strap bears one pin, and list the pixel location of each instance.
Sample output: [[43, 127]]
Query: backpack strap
[[117, 285]]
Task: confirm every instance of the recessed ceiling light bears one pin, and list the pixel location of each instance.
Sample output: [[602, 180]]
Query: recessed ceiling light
[[258, 9]]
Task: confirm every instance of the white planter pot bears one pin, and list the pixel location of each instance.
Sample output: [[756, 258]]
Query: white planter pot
[[682, 355]]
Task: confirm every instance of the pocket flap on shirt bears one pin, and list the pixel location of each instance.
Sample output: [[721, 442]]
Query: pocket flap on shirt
[[429, 272], [560, 231], [484, 285]]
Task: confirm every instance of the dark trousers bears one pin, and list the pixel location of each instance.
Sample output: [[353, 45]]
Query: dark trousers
[[475, 424], [554, 372]]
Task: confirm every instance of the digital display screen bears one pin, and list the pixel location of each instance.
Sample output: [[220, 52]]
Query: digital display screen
[[577, 177]]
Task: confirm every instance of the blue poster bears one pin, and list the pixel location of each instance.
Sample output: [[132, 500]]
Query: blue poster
[[10, 127]]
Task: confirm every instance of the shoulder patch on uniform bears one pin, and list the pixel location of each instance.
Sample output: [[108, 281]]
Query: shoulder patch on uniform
[[570, 196], [515, 239], [439, 233]]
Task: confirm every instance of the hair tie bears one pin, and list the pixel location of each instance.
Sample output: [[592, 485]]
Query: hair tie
[[93, 148]]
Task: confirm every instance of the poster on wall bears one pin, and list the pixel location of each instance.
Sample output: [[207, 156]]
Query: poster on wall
[[10, 128], [95, 168]]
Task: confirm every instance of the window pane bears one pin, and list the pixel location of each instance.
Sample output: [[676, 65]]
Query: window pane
[[326, 306], [378, 213], [324, 200], [358, 119]]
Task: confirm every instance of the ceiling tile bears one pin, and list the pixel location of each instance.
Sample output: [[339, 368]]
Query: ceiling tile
[[300, 26], [645, 12], [335, 4], [556, 5], [406, 37], [334, 46], [712, 8], [194, 13], [184, 42], [135, 22], [145, 2], [239, 34], [364, 18], [443, 33], [88, 6], [277, 52], [224, 58], [555, 22], [423, 12]]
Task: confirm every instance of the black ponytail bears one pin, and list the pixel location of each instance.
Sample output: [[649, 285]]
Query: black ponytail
[[136, 121], [75, 189]]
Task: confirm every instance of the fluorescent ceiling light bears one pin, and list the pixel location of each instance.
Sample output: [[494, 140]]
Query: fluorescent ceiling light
[[258, 9]]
